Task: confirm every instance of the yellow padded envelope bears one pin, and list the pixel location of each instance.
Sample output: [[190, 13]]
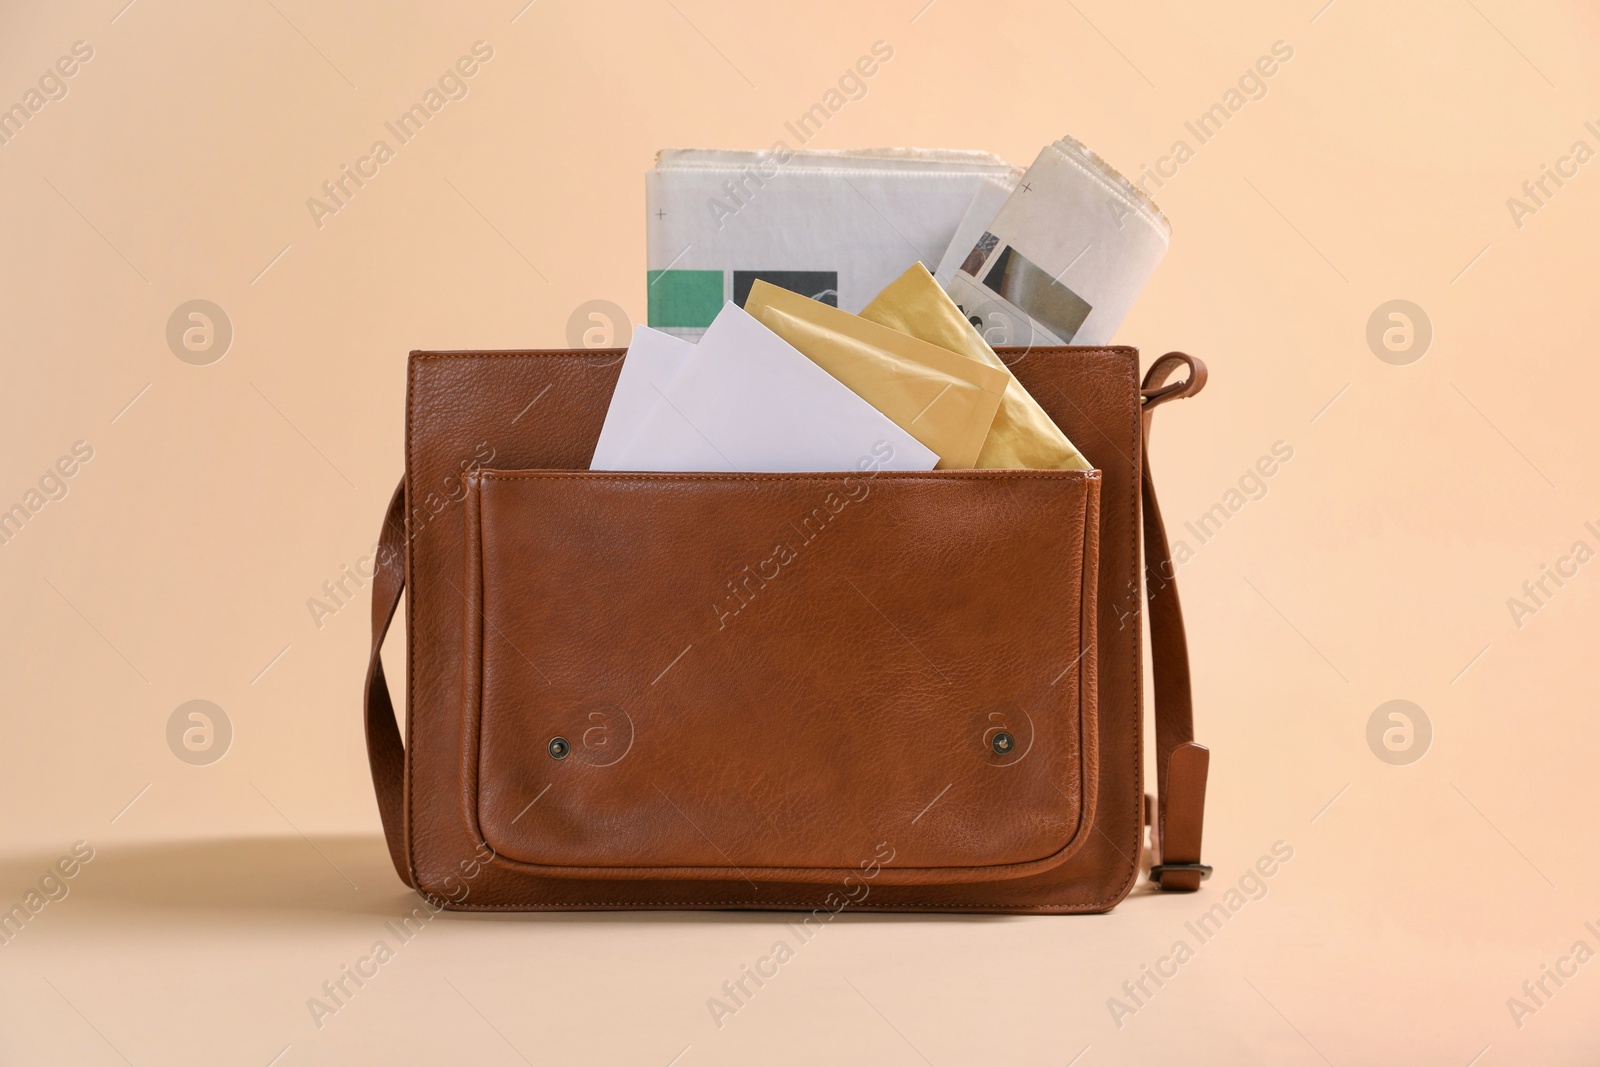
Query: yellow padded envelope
[[942, 398], [1022, 434]]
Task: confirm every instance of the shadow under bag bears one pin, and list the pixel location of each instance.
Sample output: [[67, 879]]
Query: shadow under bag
[[903, 691]]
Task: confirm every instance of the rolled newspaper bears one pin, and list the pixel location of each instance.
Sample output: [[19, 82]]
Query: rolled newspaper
[[1065, 256]]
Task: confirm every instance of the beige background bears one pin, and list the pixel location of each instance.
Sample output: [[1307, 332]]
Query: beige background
[[221, 497]]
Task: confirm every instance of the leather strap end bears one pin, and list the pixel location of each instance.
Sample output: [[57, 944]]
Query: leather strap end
[[1154, 389], [1183, 805]]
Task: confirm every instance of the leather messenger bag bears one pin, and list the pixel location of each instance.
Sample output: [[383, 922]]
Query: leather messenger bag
[[843, 691]]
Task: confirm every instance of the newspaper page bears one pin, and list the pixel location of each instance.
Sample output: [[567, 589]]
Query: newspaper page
[[834, 225], [1065, 256]]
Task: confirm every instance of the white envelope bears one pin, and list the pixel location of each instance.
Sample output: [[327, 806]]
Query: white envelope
[[748, 401], [654, 359]]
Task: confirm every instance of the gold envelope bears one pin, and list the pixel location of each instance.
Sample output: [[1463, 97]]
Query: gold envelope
[[943, 399], [1022, 434]]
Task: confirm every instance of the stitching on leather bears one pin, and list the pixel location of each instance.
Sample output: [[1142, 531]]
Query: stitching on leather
[[599, 353], [772, 905], [472, 685], [1089, 800], [987, 475], [1138, 655], [411, 630]]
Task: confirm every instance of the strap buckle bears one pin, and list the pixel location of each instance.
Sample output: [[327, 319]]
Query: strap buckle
[[1159, 870]]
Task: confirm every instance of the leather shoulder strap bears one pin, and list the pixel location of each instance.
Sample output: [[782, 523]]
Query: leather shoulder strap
[[1181, 764], [385, 751]]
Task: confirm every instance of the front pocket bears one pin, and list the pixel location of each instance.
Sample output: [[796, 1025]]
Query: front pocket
[[785, 677]]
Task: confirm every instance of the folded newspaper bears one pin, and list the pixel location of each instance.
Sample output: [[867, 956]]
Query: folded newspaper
[[835, 226], [1055, 255], [1063, 258]]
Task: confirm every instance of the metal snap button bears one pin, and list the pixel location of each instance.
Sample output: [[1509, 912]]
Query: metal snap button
[[1003, 743], [559, 747]]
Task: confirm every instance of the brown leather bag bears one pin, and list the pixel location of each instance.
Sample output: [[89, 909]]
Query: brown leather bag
[[867, 690]]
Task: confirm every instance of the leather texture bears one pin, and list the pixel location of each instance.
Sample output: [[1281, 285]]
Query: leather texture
[[870, 690], [774, 672]]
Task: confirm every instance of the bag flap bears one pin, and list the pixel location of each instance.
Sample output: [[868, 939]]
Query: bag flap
[[781, 677]]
